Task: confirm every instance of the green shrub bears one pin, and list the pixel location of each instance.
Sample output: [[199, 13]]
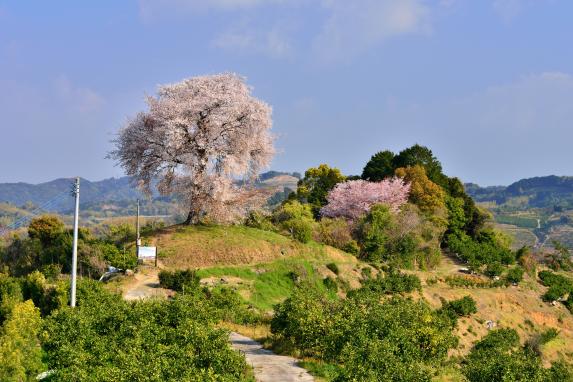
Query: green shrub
[[393, 282], [499, 357], [334, 232], [376, 340], [179, 280], [296, 219], [515, 275], [462, 307], [106, 338], [330, 284], [333, 268], [52, 271], [558, 285], [351, 247], [257, 219], [493, 270]]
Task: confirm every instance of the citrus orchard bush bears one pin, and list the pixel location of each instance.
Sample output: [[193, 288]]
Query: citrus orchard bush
[[395, 339], [108, 339]]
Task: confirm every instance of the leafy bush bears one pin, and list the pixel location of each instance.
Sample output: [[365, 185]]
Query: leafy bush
[[514, 275], [472, 282], [333, 267], [464, 306], [260, 220], [296, 219], [330, 284], [499, 357], [179, 280], [334, 232], [493, 269], [393, 282], [106, 338], [558, 285], [351, 247], [389, 340], [20, 351]]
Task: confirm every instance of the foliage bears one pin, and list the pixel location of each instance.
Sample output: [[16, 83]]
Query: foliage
[[45, 228], [260, 220], [334, 232], [373, 232], [393, 340], [486, 249], [560, 258], [514, 275], [424, 193], [499, 357], [493, 269], [462, 307], [20, 351], [316, 184], [354, 198], [333, 268], [392, 282], [196, 138], [379, 167], [404, 240], [421, 156], [108, 339], [330, 284], [296, 219], [472, 282], [558, 285], [179, 280]]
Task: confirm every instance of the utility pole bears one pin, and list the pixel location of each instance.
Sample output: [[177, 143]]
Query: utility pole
[[138, 238], [75, 244]]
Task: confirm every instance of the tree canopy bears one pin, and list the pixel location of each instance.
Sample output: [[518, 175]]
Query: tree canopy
[[196, 137]]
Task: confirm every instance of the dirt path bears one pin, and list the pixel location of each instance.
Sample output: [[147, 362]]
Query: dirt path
[[145, 284], [268, 366]]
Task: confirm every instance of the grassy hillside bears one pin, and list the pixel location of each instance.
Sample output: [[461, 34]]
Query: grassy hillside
[[264, 267]]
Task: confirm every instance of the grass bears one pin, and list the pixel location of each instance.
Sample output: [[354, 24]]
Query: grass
[[268, 284], [208, 246], [263, 266]]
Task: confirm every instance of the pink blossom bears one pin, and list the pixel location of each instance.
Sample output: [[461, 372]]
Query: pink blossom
[[354, 198]]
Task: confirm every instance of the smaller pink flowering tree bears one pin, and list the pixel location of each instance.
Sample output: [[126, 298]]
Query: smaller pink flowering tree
[[353, 199]]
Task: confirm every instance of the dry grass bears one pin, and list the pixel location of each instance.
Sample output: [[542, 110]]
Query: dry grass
[[208, 246], [519, 307]]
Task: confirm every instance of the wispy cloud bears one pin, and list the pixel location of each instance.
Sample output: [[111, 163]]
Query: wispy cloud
[[79, 99], [273, 42], [354, 26], [150, 10]]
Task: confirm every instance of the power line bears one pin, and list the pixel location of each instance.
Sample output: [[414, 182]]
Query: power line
[[45, 207]]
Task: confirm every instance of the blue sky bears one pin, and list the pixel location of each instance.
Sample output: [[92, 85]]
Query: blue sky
[[487, 85]]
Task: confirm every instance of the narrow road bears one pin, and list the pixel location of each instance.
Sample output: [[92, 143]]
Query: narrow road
[[268, 366]]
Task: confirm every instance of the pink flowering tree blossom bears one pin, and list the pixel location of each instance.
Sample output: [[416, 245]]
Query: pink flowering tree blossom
[[196, 139], [353, 199]]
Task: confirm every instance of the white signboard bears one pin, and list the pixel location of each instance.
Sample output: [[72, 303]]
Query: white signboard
[[147, 253]]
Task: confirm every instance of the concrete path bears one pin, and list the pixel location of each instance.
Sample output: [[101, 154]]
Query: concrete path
[[268, 366]]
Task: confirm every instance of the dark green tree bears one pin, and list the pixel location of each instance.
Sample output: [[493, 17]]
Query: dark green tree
[[423, 156], [379, 166]]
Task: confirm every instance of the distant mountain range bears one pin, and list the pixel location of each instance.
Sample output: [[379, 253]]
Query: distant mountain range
[[554, 192], [57, 193]]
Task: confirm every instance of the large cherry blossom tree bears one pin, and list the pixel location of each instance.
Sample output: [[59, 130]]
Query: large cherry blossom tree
[[352, 199], [197, 138]]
